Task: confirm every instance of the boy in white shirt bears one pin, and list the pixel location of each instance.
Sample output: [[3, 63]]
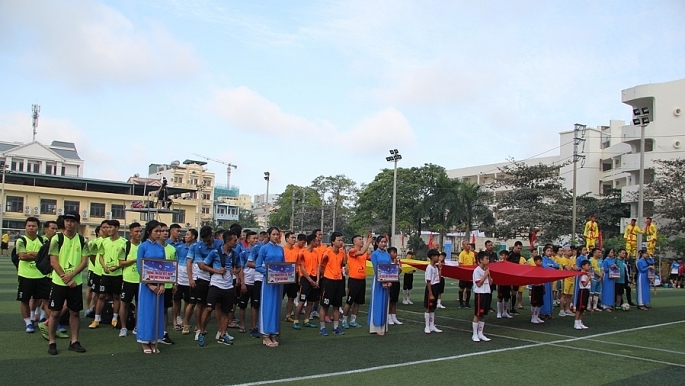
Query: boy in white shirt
[[481, 287], [583, 295], [430, 297]]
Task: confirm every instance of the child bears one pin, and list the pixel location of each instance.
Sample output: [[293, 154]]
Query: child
[[430, 296], [441, 286], [595, 274], [408, 282], [503, 292], [583, 295], [481, 287], [394, 291], [537, 295]]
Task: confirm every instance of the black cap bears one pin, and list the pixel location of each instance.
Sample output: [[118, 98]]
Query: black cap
[[72, 216]]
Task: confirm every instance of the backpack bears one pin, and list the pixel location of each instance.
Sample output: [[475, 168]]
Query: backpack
[[107, 312], [128, 249], [43, 256], [222, 257], [131, 317], [15, 256]]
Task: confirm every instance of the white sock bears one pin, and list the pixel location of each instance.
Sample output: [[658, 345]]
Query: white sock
[[432, 319], [27, 321], [426, 316], [439, 302], [353, 318], [322, 324], [335, 324], [475, 328], [499, 309], [116, 317], [344, 319], [98, 318], [481, 325], [33, 314], [42, 315]]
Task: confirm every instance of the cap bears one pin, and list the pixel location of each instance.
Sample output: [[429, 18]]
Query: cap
[[72, 216]]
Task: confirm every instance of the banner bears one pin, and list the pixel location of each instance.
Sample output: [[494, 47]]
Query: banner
[[158, 271], [388, 273], [281, 273]]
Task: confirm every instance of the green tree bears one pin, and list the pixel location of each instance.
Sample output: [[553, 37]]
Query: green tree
[[608, 209], [307, 214], [247, 220], [668, 193], [340, 195], [535, 199]]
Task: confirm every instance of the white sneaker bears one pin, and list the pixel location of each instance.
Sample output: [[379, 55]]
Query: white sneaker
[[562, 313], [584, 326], [135, 331], [534, 321], [577, 327], [506, 315], [427, 330], [409, 302], [540, 320], [197, 334], [499, 316], [405, 301], [218, 335], [441, 306], [123, 333], [475, 338], [397, 322], [435, 329], [484, 338], [390, 321], [315, 314]]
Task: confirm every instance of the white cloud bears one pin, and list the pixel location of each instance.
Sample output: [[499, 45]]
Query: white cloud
[[247, 110], [88, 45]]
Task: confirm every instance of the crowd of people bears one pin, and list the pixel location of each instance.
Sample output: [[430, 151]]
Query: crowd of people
[[224, 272]]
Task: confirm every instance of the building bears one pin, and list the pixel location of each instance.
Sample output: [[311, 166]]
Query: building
[[259, 200], [47, 196], [58, 159], [193, 177], [611, 154], [225, 213]]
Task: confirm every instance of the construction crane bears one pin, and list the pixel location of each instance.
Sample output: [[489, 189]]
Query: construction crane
[[228, 167]]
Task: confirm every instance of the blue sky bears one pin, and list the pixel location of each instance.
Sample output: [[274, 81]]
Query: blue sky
[[302, 89]]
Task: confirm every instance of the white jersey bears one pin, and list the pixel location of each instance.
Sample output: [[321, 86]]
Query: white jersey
[[432, 274], [478, 274], [580, 282]]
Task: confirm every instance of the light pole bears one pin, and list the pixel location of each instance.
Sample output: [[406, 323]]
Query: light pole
[[3, 170], [641, 118], [394, 157], [267, 177], [578, 128]]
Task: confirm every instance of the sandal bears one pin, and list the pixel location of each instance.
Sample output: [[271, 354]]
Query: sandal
[[269, 343], [233, 325], [154, 349], [147, 350], [241, 330]]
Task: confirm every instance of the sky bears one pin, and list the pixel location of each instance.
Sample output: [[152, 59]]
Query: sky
[[302, 89]]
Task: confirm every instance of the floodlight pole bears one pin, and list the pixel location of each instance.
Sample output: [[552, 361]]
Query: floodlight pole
[[576, 141], [641, 190], [3, 170], [394, 157]]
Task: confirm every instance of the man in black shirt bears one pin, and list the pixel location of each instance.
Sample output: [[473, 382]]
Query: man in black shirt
[[514, 257]]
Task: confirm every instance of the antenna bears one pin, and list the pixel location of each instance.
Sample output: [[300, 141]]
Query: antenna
[[228, 167], [36, 111]]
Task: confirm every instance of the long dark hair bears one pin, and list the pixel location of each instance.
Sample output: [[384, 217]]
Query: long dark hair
[[268, 233], [148, 229]]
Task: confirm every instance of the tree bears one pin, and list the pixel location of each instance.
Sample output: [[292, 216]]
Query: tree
[[535, 199], [342, 194], [247, 220], [668, 193], [608, 209], [307, 213]]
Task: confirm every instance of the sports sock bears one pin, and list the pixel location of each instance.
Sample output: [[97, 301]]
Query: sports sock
[[27, 321], [115, 316], [322, 324], [306, 321], [98, 318], [432, 319], [468, 297], [43, 315], [499, 308], [427, 317], [344, 318], [335, 324], [33, 314], [474, 325], [353, 318], [481, 326], [461, 298]]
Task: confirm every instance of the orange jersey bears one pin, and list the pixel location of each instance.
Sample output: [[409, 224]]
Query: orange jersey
[[332, 263], [357, 264], [311, 261], [291, 254]]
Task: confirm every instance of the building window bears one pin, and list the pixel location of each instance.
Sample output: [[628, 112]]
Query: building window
[[64, 171], [207, 182], [17, 166], [72, 206], [206, 196], [118, 211], [48, 206], [14, 204], [97, 210], [178, 216], [33, 167], [51, 169], [205, 210]]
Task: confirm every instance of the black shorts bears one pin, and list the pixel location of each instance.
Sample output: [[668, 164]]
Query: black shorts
[[4, 246], [198, 295], [618, 288], [673, 276], [504, 292], [356, 291], [394, 292], [182, 293], [129, 291], [110, 285], [33, 288], [408, 282], [93, 281], [246, 297], [441, 286], [223, 297], [168, 297], [73, 296], [307, 292], [333, 293], [482, 304], [537, 296], [290, 290], [465, 284], [582, 299], [431, 304]]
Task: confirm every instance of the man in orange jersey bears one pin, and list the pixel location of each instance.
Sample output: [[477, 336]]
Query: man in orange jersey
[[291, 253], [308, 265], [356, 284], [320, 249], [332, 263]]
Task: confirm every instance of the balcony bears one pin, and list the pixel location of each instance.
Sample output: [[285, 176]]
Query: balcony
[[631, 162], [630, 133]]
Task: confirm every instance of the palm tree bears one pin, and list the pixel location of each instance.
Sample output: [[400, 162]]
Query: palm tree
[[464, 202]]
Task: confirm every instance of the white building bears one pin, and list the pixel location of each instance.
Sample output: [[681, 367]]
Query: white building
[[612, 153], [58, 159], [259, 200]]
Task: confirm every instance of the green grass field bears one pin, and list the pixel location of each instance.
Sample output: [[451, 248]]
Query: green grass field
[[634, 347]]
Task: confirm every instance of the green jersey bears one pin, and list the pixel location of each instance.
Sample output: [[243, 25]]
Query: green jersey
[[27, 268], [70, 257], [170, 253], [131, 274], [112, 251]]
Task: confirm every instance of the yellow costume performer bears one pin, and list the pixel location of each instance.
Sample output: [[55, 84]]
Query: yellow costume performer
[[630, 236], [650, 232], [591, 233]]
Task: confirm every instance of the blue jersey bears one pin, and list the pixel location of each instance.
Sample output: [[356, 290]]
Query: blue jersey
[[213, 260], [269, 253], [549, 263], [675, 267], [198, 252]]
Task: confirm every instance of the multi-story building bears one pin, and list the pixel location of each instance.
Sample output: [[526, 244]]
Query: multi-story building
[[611, 154], [192, 176], [58, 159], [259, 200]]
